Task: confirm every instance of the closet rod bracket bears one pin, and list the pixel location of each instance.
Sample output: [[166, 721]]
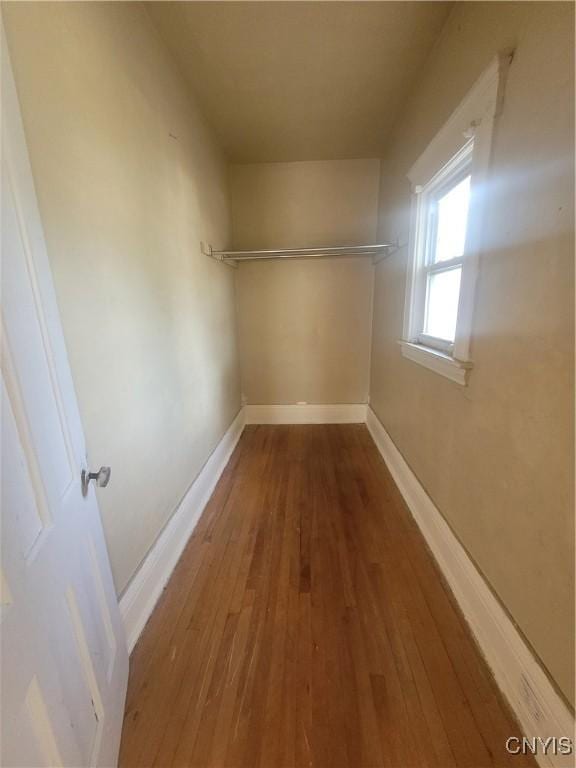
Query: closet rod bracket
[[207, 250]]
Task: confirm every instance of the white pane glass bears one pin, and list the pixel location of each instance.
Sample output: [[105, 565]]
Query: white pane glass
[[452, 220], [442, 304]]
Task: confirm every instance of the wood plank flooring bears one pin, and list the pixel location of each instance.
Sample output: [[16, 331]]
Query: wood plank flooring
[[306, 624]]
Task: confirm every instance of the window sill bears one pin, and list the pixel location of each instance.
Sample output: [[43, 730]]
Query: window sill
[[436, 361]]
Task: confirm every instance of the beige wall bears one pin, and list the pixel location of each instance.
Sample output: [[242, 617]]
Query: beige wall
[[129, 181], [497, 456], [289, 205], [304, 330], [304, 325]]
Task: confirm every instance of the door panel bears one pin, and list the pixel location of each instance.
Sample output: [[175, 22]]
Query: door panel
[[37, 728], [26, 338], [63, 651], [20, 493]]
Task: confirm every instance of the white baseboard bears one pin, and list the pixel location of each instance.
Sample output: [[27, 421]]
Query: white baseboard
[[347, 413], [538, 707], [141, 595]]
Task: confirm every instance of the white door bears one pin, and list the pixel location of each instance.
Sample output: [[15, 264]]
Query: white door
[[64, 662]]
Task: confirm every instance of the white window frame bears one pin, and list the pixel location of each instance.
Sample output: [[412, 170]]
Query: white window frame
[[457, 168], [462, 146]]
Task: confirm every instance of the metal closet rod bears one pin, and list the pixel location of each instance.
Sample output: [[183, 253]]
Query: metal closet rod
[[295, 253]]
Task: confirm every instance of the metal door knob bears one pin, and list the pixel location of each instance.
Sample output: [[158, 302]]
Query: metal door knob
[[102, 478]]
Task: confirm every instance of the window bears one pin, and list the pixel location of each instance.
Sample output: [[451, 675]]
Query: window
[[448, 188], [444, 204]]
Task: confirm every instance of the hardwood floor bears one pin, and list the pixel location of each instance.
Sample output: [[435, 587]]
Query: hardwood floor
[[306, 624]]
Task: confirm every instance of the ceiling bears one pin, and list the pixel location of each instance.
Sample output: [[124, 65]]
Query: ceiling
[[283, 81]]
